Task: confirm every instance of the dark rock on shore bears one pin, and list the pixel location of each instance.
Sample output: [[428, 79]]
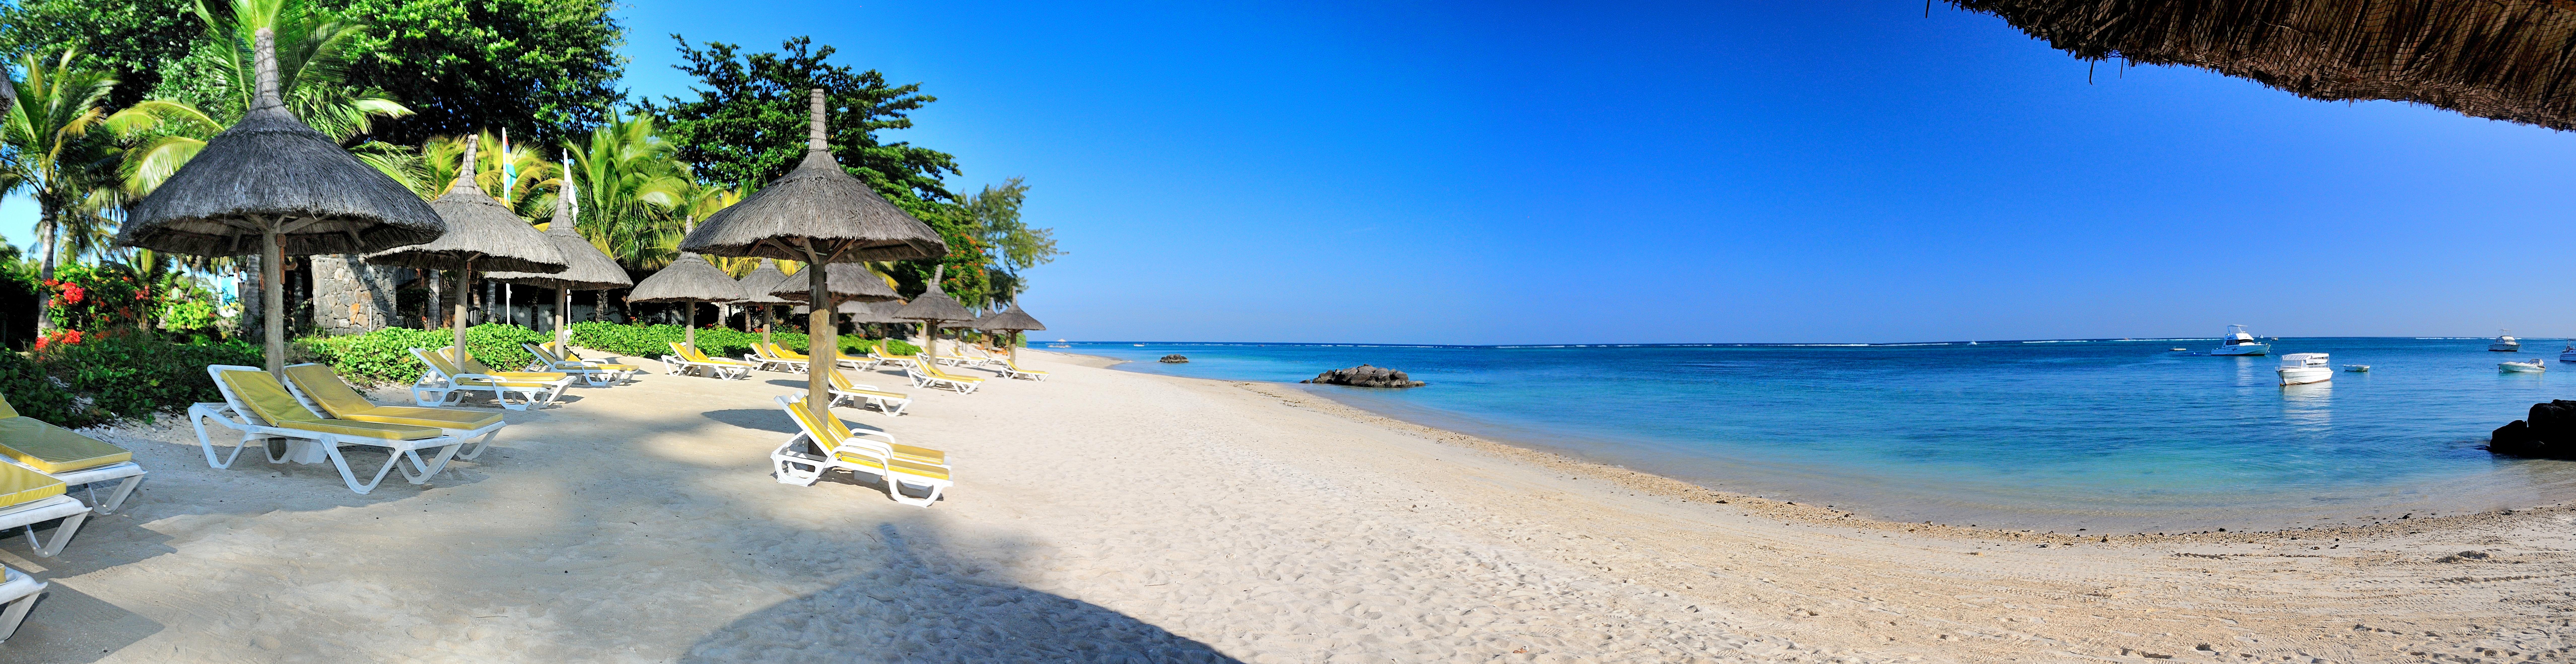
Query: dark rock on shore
[[2549, 433], [1365, 376], [1174, 359]]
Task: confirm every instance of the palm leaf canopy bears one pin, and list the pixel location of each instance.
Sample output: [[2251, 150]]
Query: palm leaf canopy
[[818, 205], [270, 170], [2498, 59], [481, 230]]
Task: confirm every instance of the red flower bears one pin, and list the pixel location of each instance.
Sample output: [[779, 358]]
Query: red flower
[[72, 293]]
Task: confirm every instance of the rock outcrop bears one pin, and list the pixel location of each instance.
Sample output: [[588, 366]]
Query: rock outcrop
[[1365, 376], [2550, 433], [1174, 359]]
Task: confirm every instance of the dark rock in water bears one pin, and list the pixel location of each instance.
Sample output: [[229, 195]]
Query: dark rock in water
[[1365, 376], [1174, 359], [2549, 433]]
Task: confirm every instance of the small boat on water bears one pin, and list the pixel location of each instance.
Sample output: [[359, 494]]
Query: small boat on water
[[2237, 342], [2505, 343], [2178, 350], [2568, 355], [2305, 368], [2533, 365], [2357, 368]]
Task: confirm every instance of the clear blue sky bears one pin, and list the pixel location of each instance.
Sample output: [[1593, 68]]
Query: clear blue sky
[[1482, 173]]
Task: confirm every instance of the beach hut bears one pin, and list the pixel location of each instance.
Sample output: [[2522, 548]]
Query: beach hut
[[820, 215], [482, 234], [2498, 60], [689, 279], [756, 289], [1007, 322], [273, 186], [586, 267], [932, 308]]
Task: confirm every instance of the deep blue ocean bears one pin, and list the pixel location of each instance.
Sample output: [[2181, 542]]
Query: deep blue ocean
[[2111, 435]]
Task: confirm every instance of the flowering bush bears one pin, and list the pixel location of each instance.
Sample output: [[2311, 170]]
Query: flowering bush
[[98, 297]]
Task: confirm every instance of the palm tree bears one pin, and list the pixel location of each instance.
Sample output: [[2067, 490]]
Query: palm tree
[[53, 159], [311, 61], [633, 192]]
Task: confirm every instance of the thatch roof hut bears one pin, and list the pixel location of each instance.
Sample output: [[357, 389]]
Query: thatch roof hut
[[756, 287], [873, 312], [935, 305], [273, 186], [849, 282], [689, 279], [2498, 59], [586, 267], [482, 234], [821, 215], [1009, 322]]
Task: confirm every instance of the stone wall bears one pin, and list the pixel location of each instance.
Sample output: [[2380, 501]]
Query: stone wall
[[351, 297]]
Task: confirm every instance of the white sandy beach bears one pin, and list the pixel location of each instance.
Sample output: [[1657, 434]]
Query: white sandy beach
[[1114, 516]]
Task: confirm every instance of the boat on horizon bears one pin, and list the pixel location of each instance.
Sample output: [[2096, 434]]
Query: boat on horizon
[[2533, 365], [2568, 355], [2237, 342], [2357, 368], [2505, 343], [2305, 368]]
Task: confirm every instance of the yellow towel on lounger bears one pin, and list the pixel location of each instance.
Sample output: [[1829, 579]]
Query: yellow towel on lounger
[[49, 448]]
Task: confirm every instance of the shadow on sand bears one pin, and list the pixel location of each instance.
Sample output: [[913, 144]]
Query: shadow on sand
[[913, 600]]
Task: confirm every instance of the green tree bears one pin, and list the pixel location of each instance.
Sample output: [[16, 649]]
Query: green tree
[[135, 39], [312, 52], [1011, 245], [628, 188], [52, 157], [748, 122]]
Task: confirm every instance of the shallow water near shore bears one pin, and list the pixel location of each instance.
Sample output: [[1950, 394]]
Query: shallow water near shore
[[2112, 436]]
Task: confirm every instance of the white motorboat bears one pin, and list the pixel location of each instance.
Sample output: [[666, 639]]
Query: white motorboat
[[2178, 350], [2357, 368], [2237, 342], [2305, 368], [2505, 343], [2530, 366]]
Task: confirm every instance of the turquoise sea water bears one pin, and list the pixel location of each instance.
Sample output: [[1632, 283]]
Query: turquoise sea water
[[2110, 435]]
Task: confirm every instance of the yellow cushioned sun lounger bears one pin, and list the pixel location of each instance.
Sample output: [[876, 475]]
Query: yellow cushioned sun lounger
[[593, 373], [447, 380], [28, 498], [873, 452], [66, 455], [261, 409], [889, 403], [321, 388], [19, 486]]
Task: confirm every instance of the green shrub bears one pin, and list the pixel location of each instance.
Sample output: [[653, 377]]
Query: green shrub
[[119, 376], [651, 341], [384, 356]]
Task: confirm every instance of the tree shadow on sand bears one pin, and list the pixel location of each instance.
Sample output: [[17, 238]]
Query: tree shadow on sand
[[916, 602]]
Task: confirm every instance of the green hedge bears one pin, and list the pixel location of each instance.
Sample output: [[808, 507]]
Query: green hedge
[[384, 356], [652, 341], [121, 376]]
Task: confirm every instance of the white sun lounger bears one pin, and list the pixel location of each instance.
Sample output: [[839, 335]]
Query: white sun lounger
[[595, 374], [28, 498], [321, 390], [261, 409], [822, 446], [446, 381], [77, 460], [1012, 369], [684, 359], [18, 592], [924, 373], [854, 394], [769, 360]]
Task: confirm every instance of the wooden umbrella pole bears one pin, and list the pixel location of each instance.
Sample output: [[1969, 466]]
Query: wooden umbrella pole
[[272, 297], [821, 339], [689, 324], [563, 318], [464, 285]]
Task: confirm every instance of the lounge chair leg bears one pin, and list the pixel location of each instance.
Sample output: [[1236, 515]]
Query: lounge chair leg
[[427, 470], [476, 449], [16, 614], [350, 477], [62, 535], [114, 498]]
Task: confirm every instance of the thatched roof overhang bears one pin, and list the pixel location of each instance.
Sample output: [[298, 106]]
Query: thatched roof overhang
[[757, 285], [817, 207], [689, 278], [587, 268], [479, 229], [2499, 59], [934, 304], [849, 282], [1012, 320], [271, 170]]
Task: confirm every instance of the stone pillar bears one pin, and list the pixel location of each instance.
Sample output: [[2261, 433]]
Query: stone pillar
[[248, 291], [350, 297]]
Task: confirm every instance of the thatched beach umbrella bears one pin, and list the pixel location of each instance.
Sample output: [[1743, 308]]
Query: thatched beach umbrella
[[587, 267], [1007, 322], [691, 279], [756, 287], [2498, 59], [271, 185], [481, 234], [932, 308], [818, 214]]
